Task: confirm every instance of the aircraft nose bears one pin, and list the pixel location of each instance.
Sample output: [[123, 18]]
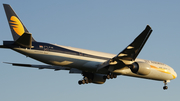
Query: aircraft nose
[[174, 75]]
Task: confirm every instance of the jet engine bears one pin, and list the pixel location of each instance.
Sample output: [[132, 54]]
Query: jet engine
[[140, 68]]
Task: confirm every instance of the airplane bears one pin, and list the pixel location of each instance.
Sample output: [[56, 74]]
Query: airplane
[[95, 67]]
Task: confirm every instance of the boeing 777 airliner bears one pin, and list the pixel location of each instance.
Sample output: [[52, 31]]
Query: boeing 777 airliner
[[95, 66]]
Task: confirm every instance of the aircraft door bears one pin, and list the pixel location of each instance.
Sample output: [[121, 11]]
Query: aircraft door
[[46, 48]]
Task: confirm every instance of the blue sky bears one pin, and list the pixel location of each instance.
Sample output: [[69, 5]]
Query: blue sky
[[100, 25]]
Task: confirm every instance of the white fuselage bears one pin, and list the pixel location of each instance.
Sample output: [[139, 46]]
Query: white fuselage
[[159, 71]]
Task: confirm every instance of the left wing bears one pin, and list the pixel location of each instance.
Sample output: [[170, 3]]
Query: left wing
[[131, 51], [56, 68], [129, 54]]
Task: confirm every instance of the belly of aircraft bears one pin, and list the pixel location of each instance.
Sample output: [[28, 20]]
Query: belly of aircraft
[[61, 59]]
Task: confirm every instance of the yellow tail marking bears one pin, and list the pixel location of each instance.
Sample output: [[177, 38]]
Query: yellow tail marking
[[17, 25]]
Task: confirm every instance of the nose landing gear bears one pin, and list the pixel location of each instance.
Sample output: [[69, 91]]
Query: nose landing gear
[[165, 83], [165, 87]]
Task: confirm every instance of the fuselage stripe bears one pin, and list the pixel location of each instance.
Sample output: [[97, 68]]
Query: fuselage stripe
[[162, 70]]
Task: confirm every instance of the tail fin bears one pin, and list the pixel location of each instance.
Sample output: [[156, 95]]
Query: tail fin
[[15, 24]]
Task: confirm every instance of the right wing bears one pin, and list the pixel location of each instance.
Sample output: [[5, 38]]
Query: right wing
[[55, 68]]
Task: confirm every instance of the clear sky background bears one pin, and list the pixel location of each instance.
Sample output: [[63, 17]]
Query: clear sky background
[[100, 25]]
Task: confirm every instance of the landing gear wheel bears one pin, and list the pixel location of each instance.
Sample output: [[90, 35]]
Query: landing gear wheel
[[112, 76], [108, 76], [83, 82], [79, 82], [87, 81], [165, 87], [115, 76]]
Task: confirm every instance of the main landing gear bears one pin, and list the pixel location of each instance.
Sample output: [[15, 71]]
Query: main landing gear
[[88, 77], [165, 87], [110, 76], [85, 81], [95, 78]]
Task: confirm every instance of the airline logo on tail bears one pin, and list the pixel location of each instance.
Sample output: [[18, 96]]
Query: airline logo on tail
[[17, 25]]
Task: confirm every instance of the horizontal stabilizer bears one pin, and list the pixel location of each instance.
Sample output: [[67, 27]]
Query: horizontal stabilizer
[[2, 46], [25, 40]]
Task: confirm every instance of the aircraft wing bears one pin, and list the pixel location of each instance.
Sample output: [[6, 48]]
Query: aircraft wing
[[55, 68], [129, 54], [131, 51]]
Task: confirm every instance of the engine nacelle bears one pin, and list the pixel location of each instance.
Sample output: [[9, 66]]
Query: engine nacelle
[[98, 79], [141, 68]]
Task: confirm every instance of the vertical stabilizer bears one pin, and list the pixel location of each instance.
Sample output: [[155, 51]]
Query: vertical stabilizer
[[15, 24]]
